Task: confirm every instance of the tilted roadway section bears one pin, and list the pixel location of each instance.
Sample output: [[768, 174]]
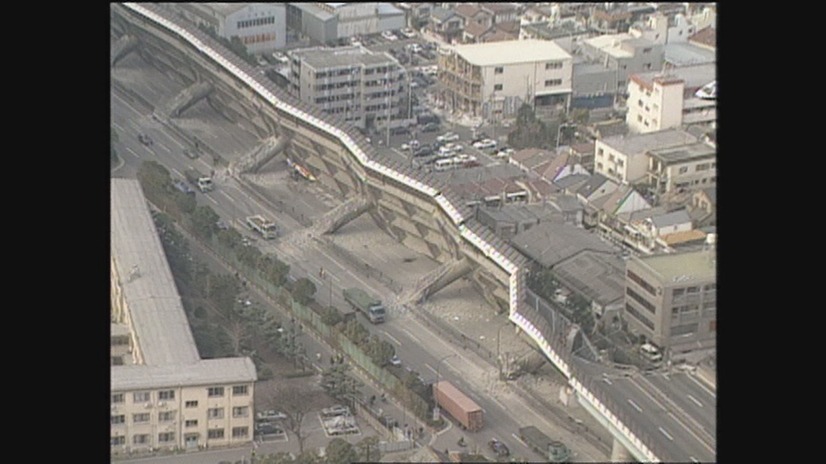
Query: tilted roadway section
[[418, 211]]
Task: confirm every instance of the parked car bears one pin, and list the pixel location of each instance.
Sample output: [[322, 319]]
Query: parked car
[[448, 137], [281, 58], [395, 360], [504, 153], [430, 127], [262, 61], [270, 415], [145, 139], [499, 448], [486, 143], [423, 151], [337, 410], [409, 33], [267, 428], [389, 36]]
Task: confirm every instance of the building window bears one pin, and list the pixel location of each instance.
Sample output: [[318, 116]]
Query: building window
[[117, 398], [120, 419], [702, 167], [213, 392], [215, 433], [639, 103], [712, 326], [683, 170], [140, 418], [686, 329], [677, 292], [600, 152], [554, 65], [141, 439], [641, 300], [497, 87], [553, 82], [642, 283], [611, 157], [240, 390], [240, 411], [620, 162], [215, 413], [191, 404], [240, 432], [140, 397], [599, 165], [692, 290], [710, 287], [166, 437], [166, 416], [191, 423], [639, 118], [166, 395], [118, 441], [639, 316], [646, 50], [498, 70]]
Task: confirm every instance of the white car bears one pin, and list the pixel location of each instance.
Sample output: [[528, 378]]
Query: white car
[[395, 360], [486, 143], [409, 33], [449, 137], [389, 36], [337, 410], [280, 57], [504, 153], [270, 415]]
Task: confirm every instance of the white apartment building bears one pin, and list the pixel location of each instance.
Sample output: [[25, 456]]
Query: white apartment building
[[262, 27], [163, 395], [664, 101], [624, 158], [658, 28], [364, 87], [687, 167], [493, 79]]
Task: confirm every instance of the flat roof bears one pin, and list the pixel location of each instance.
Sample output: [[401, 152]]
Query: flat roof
[[511, 52], [695, 151], [640, 143], [344, 56], [550, 243], [599, 276], [694, 76], [158, 320], [686, 267], [611, 44], [669, 219], [688, 54], [204, 372]]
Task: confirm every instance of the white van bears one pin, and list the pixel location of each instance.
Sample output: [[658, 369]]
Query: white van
[[650, 352]]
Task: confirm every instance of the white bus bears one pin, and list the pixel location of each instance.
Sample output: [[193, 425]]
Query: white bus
[[445, 164], [265, 228]]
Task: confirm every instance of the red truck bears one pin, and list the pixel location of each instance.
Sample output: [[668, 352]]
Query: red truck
[[459, 406]]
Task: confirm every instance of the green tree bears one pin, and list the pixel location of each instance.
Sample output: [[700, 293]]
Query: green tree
[[185, 202], [212, 341], [303, 290], [356, 332], [155, 182], [249, 255], [223, 292], [230, 238], [339, 451], [204, 221], [331, 316], [380, 351], [339, 384], [281, 457]]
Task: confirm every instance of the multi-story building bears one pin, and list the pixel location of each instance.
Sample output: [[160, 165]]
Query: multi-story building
[[163, 395], [362, 86], [493, 79], [662, 30], [624, 55], [685, 167], [663, 101], [625, 158], [262, 27], [671, 299], [328, 23]]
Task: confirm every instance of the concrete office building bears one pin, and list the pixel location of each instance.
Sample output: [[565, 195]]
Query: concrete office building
[[624, 55], [625, 158], [687, 167], [328, 23], [363, 87], [492, 80], [163, 395], [262, 27], [671, 299]]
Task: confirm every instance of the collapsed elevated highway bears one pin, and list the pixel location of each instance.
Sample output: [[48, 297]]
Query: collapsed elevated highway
[[414, 208]]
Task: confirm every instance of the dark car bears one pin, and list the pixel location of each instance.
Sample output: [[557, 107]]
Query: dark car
[[400, 131], [499, 448], [145, 139], [423, 152], [431, 127], [191, 154]]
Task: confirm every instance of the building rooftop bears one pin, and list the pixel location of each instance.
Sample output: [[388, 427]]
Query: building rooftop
[[694, 76], [706, 36], [686, 236], [315, 10], [158, 320], [225, 8], [687, 54], [669, 219], [511, 52], [641, 143], [572, 181], [684, 267], [551, 243], [204, 372], [441, 14], [560, 31], [611, 44], [683, 153], [325, 58], [598, 276]]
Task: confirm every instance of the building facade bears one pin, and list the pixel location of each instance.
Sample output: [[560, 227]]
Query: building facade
[[625, 55], [329, 23], [672, 299], [163, 395], [364, 87], [262, 27], [688, 167], [492, 80], [624, 158], [654, 105]]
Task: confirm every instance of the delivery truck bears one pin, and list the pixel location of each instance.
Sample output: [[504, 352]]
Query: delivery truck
[[463, 409], [204, 183], [369, 306]]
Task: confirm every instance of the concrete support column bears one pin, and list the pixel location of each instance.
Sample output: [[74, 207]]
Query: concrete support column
[[619, 453]]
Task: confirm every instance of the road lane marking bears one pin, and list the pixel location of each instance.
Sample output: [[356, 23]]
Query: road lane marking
[[430, 367], [118, 126], [211, 199], [133, 153], [662, 430], [392, 338], [412, 336], [607, 381], [639, 409], [695, 401], [176, 172], [705, 388], [222, 192], [164, 147]]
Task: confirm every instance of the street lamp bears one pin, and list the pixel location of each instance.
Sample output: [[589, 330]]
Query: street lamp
[[435, 401]]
